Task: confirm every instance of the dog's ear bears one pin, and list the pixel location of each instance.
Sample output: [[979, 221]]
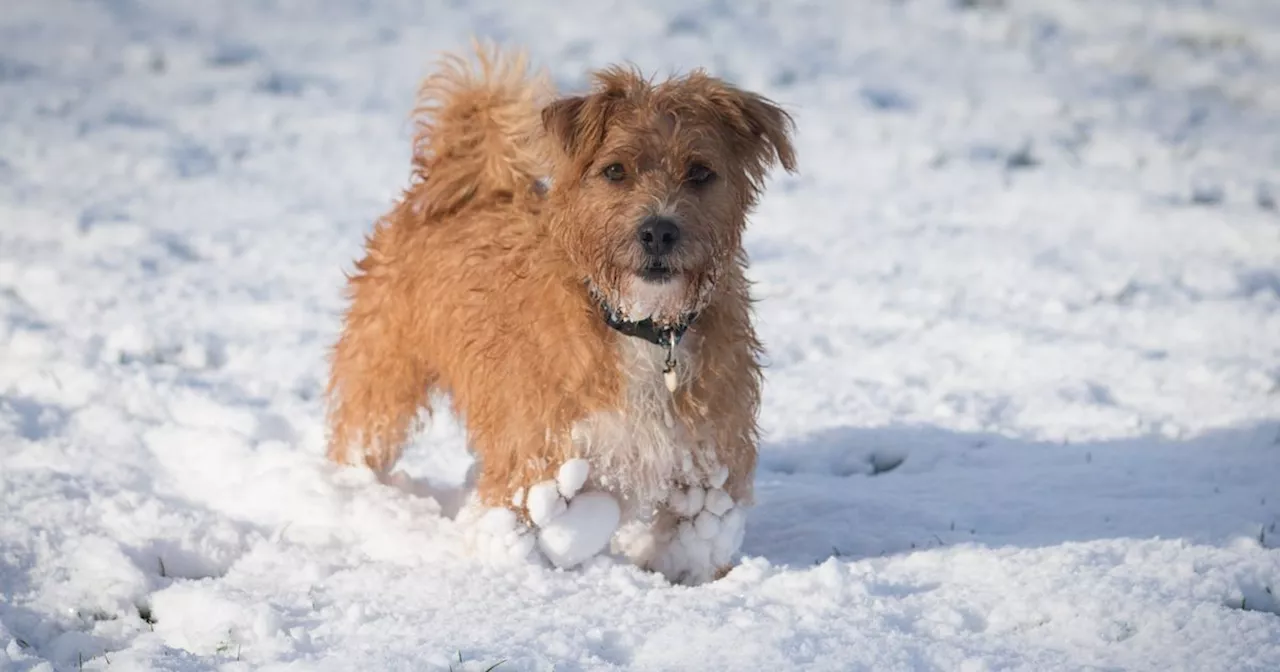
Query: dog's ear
[[578, 124], [762, 128], [560, 119], [771, 127]]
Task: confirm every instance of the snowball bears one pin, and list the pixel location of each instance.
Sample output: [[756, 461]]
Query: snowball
[[725, 544], [544, 503], [498, 521], [677, 501], [515, 546], [495, 535], [686, 535], [572, 476], [707, 525], [686, 503], [697, 552], [696, 498], [582, 531], [718, 502]]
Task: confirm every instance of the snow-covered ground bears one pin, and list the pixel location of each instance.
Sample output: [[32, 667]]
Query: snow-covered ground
[[1033, 255]]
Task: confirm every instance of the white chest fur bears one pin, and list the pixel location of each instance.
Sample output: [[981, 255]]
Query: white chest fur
[[638, 451]]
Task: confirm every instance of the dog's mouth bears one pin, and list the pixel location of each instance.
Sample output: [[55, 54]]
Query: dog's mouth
[[656, 271]]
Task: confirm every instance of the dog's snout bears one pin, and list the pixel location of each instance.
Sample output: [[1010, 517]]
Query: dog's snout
[[658, 235]]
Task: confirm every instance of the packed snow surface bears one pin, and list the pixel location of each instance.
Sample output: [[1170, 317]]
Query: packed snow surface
[[1022, 308]]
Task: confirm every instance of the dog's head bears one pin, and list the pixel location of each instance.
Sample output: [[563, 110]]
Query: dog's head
[[652, 185]]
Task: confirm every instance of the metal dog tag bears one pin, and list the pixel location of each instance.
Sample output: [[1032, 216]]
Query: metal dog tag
[[669, 371]]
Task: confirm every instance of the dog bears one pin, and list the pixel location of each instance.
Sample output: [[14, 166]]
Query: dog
[[569, 273]]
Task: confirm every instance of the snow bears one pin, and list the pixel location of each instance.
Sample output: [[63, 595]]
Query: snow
[[573, 526], [698, 536], [495, 535], [1021, 307], [717, 502], [582, 531], [544, 502], [571, 476]]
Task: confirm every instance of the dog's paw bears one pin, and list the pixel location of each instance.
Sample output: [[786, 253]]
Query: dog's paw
[[708, 532], [573, 526]]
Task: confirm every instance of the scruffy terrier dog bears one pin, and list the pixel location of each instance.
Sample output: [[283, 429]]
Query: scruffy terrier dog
[[570, 273]]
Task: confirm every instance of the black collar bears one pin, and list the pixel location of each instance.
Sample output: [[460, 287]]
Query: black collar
[[658, 334]]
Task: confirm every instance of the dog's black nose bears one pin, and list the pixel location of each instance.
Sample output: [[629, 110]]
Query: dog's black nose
[[658, 235]]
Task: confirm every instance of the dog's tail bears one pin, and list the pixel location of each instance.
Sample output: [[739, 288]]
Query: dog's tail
[[477, 132]]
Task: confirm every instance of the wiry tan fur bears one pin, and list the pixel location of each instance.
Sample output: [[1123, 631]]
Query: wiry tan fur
[[479, 282]]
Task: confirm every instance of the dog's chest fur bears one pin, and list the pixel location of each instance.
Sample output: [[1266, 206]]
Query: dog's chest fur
[[639, 450]]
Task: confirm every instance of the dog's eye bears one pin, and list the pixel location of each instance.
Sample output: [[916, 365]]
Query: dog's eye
[[614, 172], [699, 175]]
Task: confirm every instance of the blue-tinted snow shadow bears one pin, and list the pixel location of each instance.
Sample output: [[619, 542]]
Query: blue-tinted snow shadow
[[829, 494]]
